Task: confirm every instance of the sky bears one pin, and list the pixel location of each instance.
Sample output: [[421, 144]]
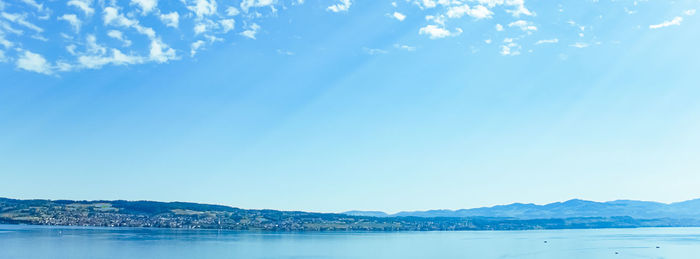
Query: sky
[[335, 105]]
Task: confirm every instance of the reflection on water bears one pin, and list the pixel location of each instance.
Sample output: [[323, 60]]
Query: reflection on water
[[70, 242]]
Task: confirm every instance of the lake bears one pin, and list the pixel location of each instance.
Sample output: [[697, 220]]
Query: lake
[[21, 241]]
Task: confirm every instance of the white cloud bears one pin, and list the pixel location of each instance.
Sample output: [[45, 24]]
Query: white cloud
[[158, 51], [428, 3], [478, 12], [458, 11], [73, 20], [146, 5], [676, 21], [113, 17], [117, 58], [34, 4], [83, 5], [251, 31], [212, 39], [4, 42], [93, 47], [398, 16], [436, 32], [161, 53], [145, 31], [39, 37], [510, 48], [8, 28], [71, 49], [550, 41], [690, 12], [196, 46], [440, 19], [200, 28], [523, 25], [343, 6], [62, 66], [505, 50], [499, 27], [203, 8], [170, 19], [247, 4], [519, 8], [3, 59], [31, 61], [580, 45], [21, 20], [232, 11], [118, 35], [227, 24]]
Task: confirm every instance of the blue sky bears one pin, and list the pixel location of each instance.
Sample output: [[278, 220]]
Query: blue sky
[[339, 105]]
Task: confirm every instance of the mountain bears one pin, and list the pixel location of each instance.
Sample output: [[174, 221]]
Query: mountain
[[568, 209]]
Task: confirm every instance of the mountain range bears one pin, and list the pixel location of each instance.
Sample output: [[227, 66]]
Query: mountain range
[[569, 209]]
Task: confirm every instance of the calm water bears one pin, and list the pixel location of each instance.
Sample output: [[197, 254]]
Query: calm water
[[66, 242]]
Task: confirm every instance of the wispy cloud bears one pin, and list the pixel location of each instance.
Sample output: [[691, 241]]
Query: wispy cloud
[[285, 52], [73, 20], [251, 31], [343, 6], [523, 25], [83, 5], [549, 41], [676, 21], [20, 19], [372, 51], [404, 47], [118, 35], [580, 45]]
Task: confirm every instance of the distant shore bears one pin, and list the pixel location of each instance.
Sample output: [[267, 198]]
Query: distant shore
[[182, 215]]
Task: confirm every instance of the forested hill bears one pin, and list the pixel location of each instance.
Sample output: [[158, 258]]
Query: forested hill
[[193, 215]]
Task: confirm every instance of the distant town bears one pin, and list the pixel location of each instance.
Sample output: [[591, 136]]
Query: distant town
[[203, 216]]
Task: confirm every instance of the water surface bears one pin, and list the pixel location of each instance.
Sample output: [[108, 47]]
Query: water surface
[[18, 241]]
